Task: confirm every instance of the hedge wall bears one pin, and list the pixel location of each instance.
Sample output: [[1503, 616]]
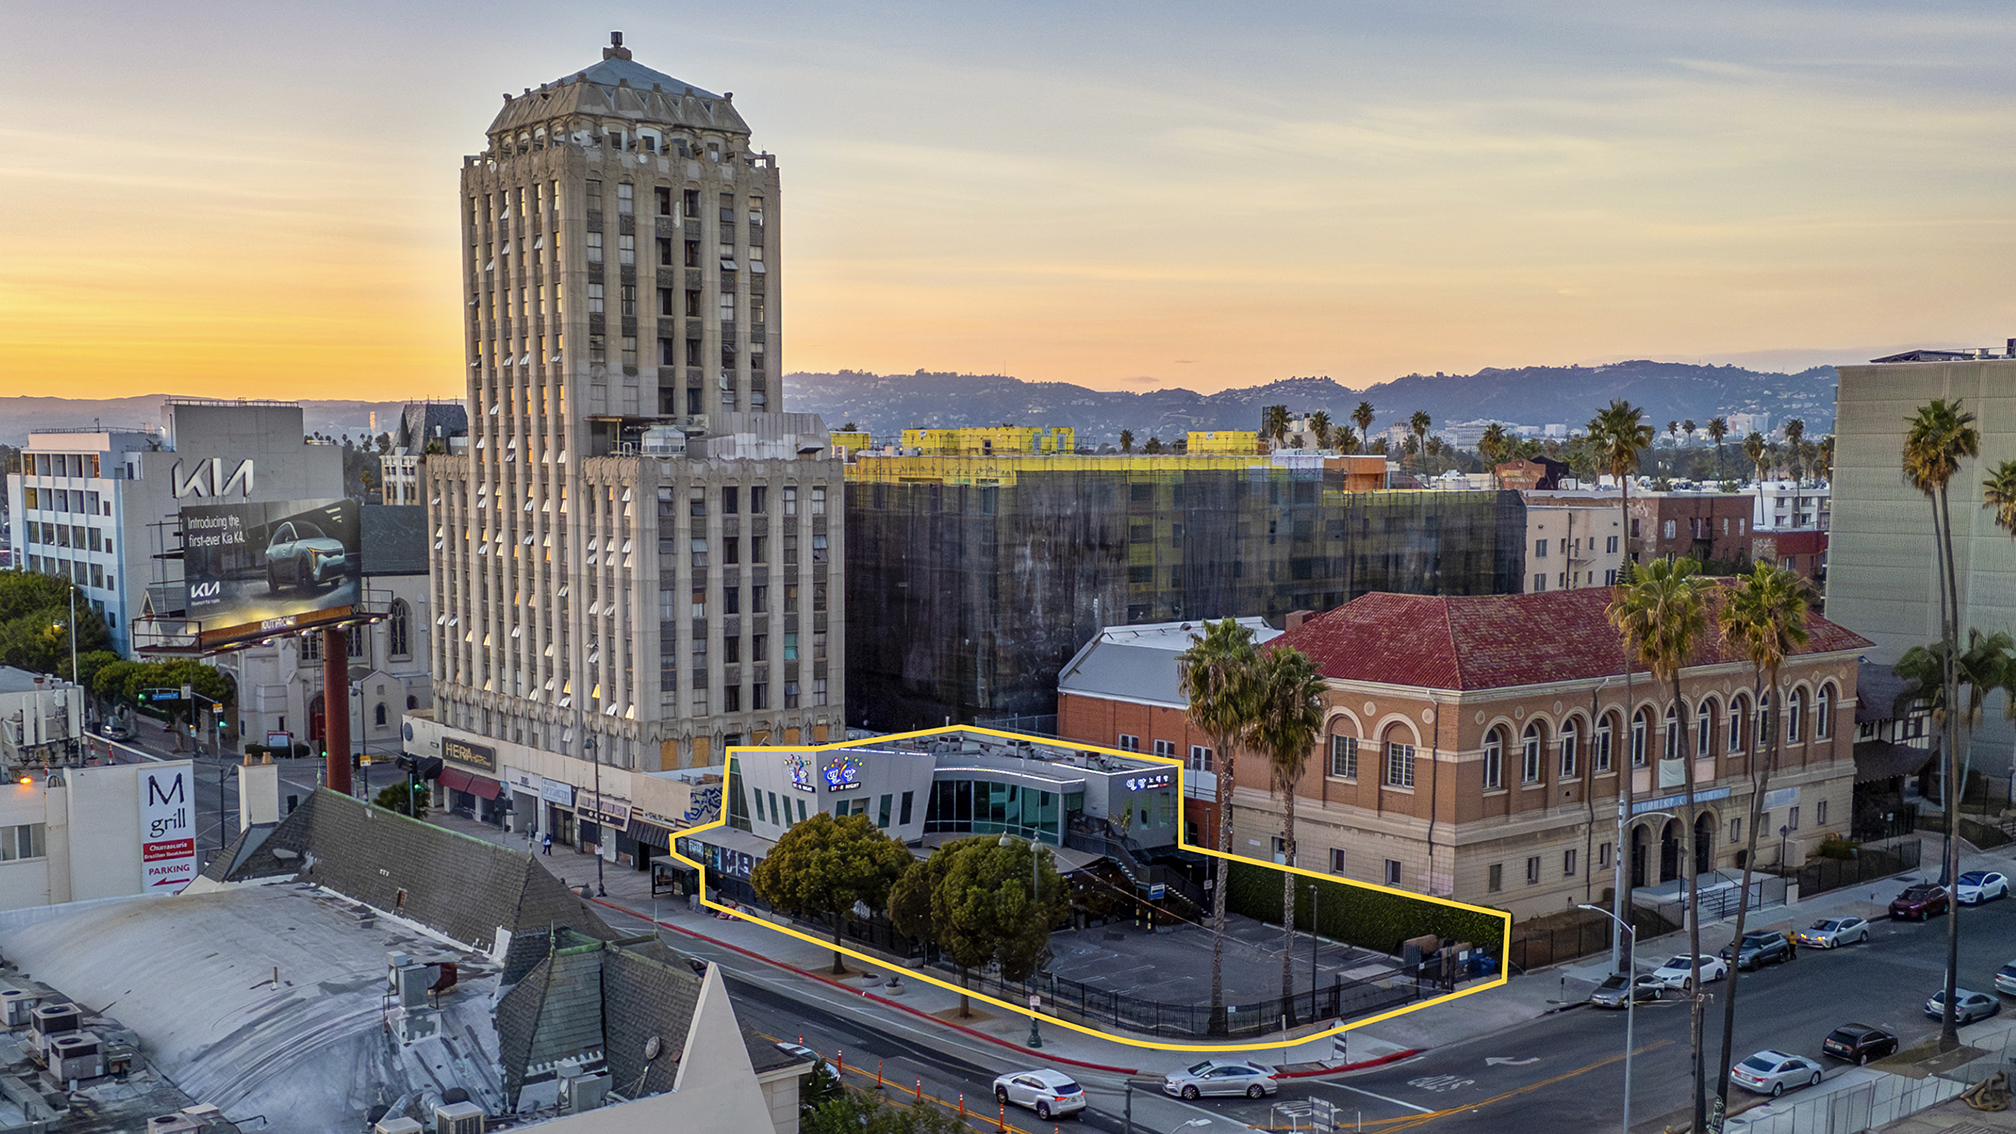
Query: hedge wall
[[1360, 916]]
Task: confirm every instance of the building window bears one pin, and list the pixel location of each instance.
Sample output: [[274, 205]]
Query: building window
[[1736, 707], [399, 630], [1735, 830], [1795, 710], [1129, 743], [24, 841], [1672, 749], [1399, 764], [1392, 872], [1763, 729], [1344, 757], [1820, 813], [378, 715], [1529, 754], [1165, 748], [1640, 725], [1570, 737], [1533, 871], [1601, 755], [1611, 547], [1539, 549], [1823, 715], [1603, 856], [1568, 864], [1539, 583], [818, 500], [1494, 760], [1336, 860], [1792, 820], [1495, 878], [1200, 758], [1704, 728], [1670, 528]]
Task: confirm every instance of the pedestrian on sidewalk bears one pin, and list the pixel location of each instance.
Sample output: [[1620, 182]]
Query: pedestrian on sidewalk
[[546, 843]]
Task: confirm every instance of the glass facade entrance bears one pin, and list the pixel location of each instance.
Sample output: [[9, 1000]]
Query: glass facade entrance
[[986, 807]]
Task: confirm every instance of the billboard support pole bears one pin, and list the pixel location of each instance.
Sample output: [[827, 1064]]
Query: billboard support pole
[[336, 707]]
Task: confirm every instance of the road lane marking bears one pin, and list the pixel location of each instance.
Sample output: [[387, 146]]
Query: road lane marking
[[1411, 1121], [1384, 1098]]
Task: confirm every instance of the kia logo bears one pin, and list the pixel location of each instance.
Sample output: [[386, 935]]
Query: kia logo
[[206, 590]]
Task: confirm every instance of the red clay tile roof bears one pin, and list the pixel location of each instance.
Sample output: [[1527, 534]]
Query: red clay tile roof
[[1494, 641]]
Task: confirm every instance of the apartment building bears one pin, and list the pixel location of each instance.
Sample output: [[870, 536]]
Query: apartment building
[[1573, 540], [630, 563], [1712, 527]]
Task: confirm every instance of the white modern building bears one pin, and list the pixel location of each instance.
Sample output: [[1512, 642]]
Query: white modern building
[[99, 506], [41, 718], [77, 833], [1881, 580]]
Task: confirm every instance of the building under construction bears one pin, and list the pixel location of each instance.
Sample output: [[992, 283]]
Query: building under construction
[[971, 581]]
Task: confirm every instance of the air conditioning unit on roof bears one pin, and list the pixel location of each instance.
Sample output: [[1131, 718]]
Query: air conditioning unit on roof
[[399, 1125], [458, 1118]]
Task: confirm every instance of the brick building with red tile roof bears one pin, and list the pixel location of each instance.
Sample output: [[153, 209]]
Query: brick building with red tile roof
[[1472, 748]]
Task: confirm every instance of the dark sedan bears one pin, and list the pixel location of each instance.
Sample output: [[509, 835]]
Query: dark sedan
[[1759, 949], [1859, 1043], [1918, 903]]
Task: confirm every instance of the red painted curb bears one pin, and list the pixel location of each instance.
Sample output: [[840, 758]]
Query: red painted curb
[[866, 995], [1390, 1057]]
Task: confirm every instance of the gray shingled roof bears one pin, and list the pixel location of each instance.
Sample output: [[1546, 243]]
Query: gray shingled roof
[[394, 538], [1138, 663]]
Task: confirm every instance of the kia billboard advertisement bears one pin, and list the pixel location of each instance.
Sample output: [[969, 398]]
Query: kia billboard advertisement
[[259, 569]]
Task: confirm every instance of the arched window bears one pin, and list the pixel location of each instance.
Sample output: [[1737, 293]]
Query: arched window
[[412, 702], [1494, 759], [1763, 730], [378, 715], [1641, 726], [1571, 738], [311, 646], [1672, 749], [1529, 763], [357, 635], [1605, 737], [398, 629], [1704, 728], [1823, 713], [1795, 708], [1736, 710]]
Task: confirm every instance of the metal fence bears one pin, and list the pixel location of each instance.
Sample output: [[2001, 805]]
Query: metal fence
[[1868, 1106], [1343, 1000], [1534, 948], [1825, 874]]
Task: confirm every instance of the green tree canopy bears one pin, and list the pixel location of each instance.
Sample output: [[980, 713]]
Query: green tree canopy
[[974, 898], [823, 867], [35, 623]]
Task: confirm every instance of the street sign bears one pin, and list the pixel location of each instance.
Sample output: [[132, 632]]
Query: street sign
[[1035, 1003]]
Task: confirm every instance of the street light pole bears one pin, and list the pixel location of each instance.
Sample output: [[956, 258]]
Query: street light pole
[[1630, 1004], [601, 816]]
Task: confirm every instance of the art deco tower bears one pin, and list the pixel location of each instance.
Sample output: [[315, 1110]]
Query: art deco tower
[[636, 542]]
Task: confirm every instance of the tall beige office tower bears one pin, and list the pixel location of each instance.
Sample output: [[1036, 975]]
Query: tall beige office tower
[[632, 558]]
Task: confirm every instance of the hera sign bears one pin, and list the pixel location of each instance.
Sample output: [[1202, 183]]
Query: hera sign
[[167, 829]]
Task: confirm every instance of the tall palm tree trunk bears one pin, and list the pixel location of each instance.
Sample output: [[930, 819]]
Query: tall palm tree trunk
[[1760, 780], [1626, 864], [1224, 883], [1949, 1029], [1690, 871], [1288, 913]]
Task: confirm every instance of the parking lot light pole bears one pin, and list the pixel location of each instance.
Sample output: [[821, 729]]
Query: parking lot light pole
[[1035, 883], [1630, 1003]]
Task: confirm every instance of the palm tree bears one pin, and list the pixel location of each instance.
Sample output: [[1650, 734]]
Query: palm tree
[[1319, 424], [1764, 619], [1662, 610], [1363, 416], [1287, 720], [1936, 439], [1277, 424], [1754, 448], [1435, 447], [1215, 675], [1418, 424], [1346, 440], [1795, 431], [1126, 440], [1493, 444], [1718, 428], [1824, 465], [1687, 427]]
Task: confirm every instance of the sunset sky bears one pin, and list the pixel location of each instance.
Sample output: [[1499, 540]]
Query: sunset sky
[[259, 199]]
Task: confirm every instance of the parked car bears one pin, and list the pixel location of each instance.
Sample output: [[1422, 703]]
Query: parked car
[[2005, 979], [1968, 1006], [1918, 903], [1833, 932], [1046, 1092], [1770, 1072], [1610, 994], [1859, 1043], [1220, 1077], [802, 1052], [1977, 886], [1678, 973], [1758, 949]]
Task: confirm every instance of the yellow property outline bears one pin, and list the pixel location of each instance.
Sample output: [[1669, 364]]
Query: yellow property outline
[[1505, 944]]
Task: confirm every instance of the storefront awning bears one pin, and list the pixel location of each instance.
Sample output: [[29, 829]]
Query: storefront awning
[[481, 786], [454, 780]]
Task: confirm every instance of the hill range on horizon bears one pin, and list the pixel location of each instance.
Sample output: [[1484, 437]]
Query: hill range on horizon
[[886, 404]]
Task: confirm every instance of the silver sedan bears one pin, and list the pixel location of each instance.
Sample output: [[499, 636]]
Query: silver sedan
[[1772, 1072], [1220, 1077], [1833, 932]]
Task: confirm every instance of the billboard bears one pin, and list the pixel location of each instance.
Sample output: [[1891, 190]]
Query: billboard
[[258, 569], [167, 829]]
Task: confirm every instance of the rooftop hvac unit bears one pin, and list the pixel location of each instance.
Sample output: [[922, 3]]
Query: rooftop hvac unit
[[16, 1004], [173, 1124], [55, 1019], [458, 1118], [584, 1092], [76, 1056], [402, 1125]]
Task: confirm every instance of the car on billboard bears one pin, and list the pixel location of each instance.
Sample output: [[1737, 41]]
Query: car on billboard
[[300, 555]]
